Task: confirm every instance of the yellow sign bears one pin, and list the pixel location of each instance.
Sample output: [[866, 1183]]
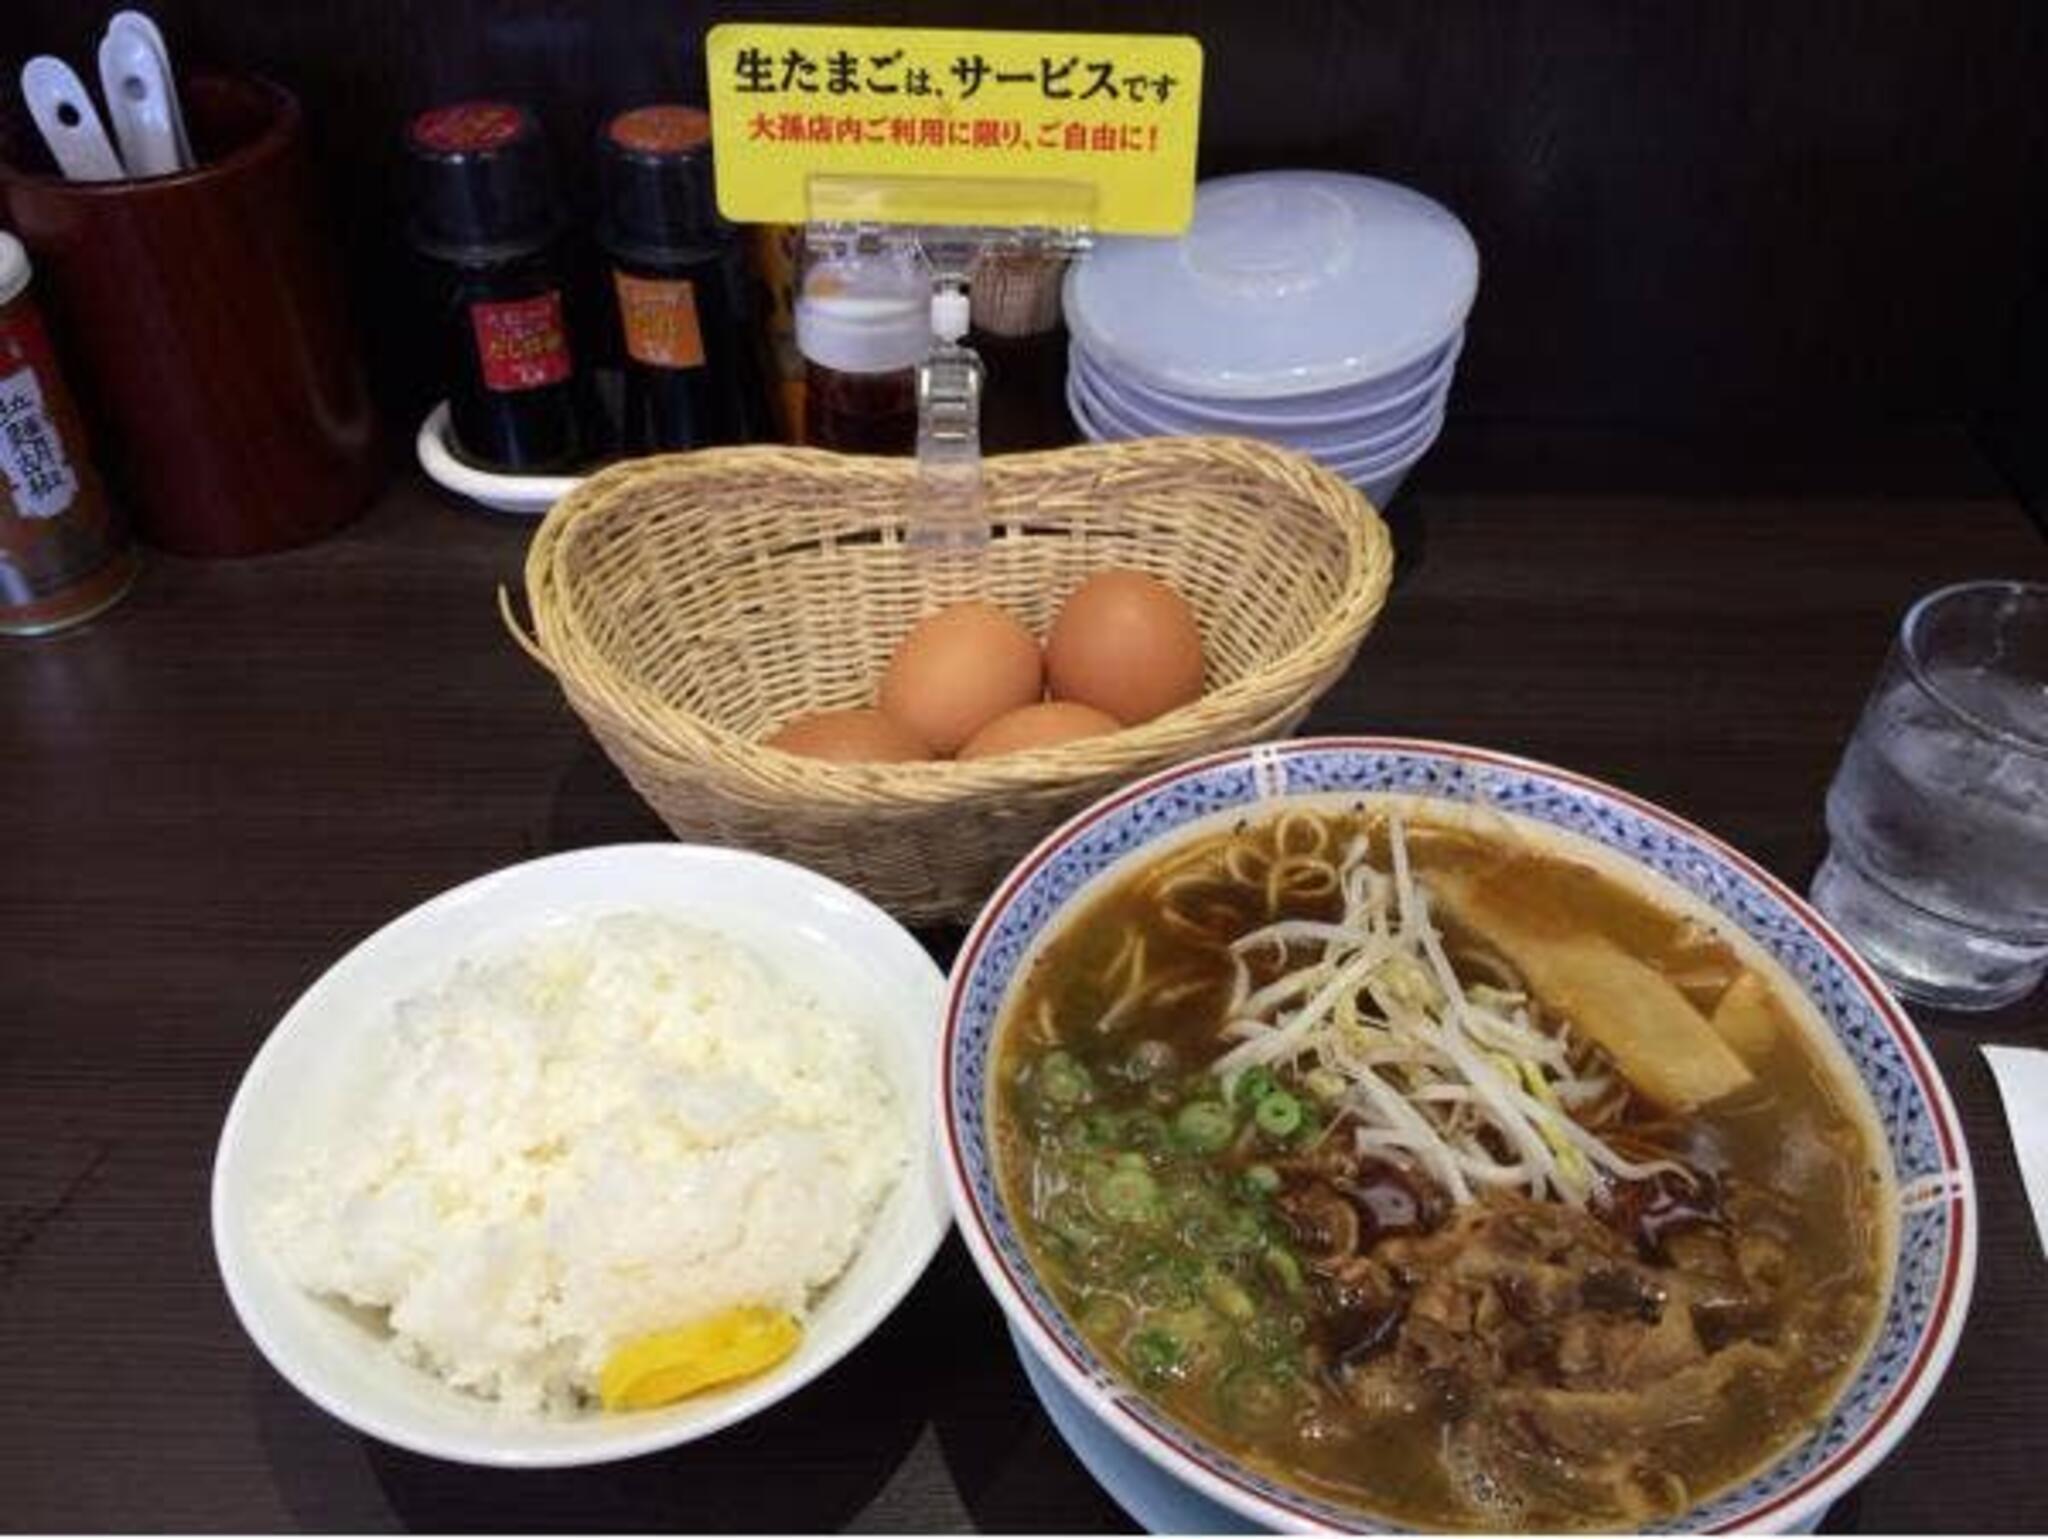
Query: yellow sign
[[902, 125]]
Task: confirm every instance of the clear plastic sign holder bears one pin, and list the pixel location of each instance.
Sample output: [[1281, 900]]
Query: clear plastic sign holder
[[855, 217]]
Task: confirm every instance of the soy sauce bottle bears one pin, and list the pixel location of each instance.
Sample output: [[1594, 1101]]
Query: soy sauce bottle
[[678, 281], [489, 226]]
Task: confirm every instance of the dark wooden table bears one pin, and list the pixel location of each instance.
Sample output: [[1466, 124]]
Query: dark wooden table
[[215, 790]]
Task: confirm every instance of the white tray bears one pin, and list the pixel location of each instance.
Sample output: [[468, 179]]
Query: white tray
[[527, 496]]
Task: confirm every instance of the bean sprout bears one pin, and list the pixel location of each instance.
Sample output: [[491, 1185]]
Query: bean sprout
[[1462, 1080]]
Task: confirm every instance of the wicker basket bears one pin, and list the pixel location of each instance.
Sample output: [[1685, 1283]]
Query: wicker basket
[[690, 604]]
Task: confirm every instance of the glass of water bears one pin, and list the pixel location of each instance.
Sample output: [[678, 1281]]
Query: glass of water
[[1937, 864]]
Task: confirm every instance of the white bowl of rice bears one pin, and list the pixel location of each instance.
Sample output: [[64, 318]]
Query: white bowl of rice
[[565, 1108]]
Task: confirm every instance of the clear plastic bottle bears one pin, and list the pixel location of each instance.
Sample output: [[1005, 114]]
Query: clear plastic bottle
[[863, 324]]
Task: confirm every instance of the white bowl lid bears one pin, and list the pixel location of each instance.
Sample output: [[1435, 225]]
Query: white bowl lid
[[1287, 282]]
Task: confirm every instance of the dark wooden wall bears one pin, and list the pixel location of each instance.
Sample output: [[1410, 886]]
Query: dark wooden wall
[[1693, 214]]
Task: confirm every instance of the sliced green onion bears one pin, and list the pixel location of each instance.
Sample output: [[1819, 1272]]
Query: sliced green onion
[[1276, 1337], [1228, 1231], [1124, 1195], [1285, 1270], [1227, 1298], [1144, 1130], [1254, 1085], [1155, 1354], [1067, 1216], [1278, 1115], [1200, 1330], [1064, 1079], [1203, 1126], [1093, 1129], [1165, 1281], [1263, 1179], [1251, 1396]]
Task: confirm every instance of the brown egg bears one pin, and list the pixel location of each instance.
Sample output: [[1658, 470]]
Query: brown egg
[[958, 670], [850, 737], [1044, 725], [1127, 644]]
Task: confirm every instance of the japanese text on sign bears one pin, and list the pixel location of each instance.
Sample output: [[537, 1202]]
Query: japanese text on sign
[[1111, 119], [959, 133], [757, 72]]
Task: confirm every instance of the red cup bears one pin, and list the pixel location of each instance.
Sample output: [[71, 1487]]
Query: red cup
[[204, 322]]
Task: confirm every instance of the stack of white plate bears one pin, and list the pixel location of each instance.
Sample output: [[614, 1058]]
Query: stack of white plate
[[1309, 308]]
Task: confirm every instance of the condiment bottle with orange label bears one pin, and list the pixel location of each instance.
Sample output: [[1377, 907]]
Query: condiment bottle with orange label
[[486, 218], [678, 279], [64, 553]]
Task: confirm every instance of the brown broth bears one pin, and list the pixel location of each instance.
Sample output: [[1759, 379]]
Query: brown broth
[[1798, 1132]]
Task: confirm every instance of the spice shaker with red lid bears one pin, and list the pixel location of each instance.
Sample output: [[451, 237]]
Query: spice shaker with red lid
[[692, 376], [487, 221]]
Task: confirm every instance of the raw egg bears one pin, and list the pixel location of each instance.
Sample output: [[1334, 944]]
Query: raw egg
[[1044, 725], [850, 737], [958, 670], [1127, 644]]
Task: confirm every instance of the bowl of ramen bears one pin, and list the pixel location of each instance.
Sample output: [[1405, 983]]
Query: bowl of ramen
[[1377, 1133]]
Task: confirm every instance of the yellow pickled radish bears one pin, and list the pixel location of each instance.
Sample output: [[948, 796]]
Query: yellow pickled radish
[[665, 1366]]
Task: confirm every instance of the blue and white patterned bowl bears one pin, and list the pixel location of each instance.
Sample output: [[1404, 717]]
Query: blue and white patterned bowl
[[1937, 1238]]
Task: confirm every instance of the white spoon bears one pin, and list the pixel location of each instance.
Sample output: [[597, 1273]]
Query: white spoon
[[138, 103], [69, 122], [143, 25]]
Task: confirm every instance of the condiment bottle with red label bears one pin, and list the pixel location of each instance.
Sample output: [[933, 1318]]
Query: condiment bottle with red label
[[64, 552], [678, 279], [488, 222]]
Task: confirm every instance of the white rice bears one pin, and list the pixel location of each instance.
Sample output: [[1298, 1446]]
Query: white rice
[[619, 1128]]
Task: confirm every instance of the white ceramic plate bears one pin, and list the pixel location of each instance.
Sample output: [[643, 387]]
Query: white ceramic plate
[[1339, 441], [1378, 483], [1084, 419], [529, 496], [1381, 462], [792, 917], [1381, 488], [1101, 423], [1361, 410]]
